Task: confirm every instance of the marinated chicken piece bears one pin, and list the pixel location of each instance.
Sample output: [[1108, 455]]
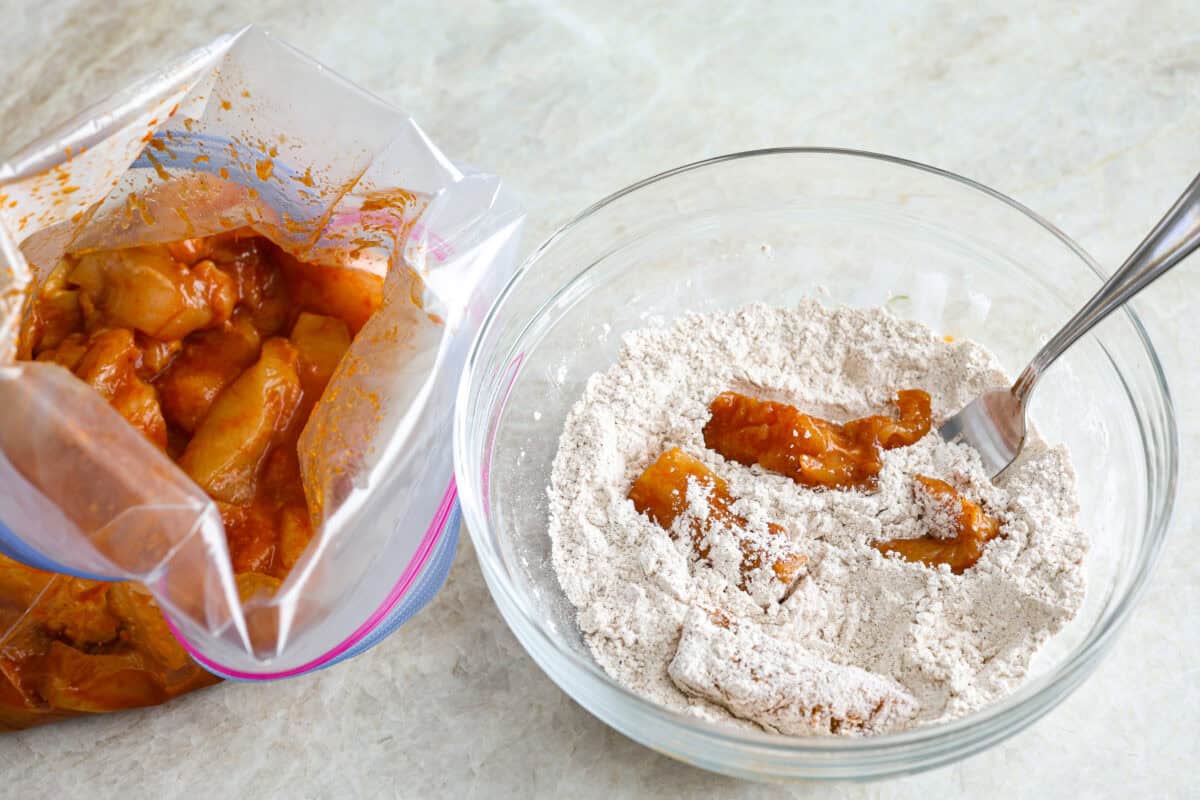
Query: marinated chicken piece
[[157, 355], [348, 294], [810, 450], [660, 493], [960, 530], [76, 610], [210, 361], [192, 251], [25, 640], [261, 287], [251, 533], [68, 353], [77, 681], [269, 535], [295, 532], [779, 685], [80, 645], [281, 508], [279, 482], [19, 587], [145, 288], [250, 584], [225, 453], [916, 418], [55, 313], [321, 342], [144, 629], [110, 366], [20, 706]]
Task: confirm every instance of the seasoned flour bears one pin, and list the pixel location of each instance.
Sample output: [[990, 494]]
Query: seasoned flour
[[876, 641]]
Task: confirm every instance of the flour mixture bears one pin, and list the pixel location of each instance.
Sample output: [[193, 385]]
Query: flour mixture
[[798, 595]]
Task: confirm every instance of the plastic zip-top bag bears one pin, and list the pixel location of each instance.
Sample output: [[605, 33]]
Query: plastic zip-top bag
[[127, 236]]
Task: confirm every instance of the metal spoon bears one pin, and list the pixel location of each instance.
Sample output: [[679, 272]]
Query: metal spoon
[[994, 422]]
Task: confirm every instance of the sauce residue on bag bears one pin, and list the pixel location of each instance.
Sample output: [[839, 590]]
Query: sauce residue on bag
[[217, 349]]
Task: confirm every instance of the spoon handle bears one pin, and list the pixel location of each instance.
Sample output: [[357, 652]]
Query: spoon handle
[[1175, 236]]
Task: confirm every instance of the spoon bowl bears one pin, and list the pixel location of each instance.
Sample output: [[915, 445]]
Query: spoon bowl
[[994, 423]]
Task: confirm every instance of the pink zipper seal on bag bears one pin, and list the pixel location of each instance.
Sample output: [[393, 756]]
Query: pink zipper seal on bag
[[432, 535]]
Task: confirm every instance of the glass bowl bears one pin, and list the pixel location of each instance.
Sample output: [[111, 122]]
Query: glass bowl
[[843, 227]]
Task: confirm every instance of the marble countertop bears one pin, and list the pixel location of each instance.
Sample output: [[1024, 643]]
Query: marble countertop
[[1086, 112]]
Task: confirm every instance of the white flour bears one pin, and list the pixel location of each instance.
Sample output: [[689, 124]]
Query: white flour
[[862, 643]]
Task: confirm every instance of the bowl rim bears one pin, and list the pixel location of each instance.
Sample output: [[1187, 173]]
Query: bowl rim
[[1029, 702]]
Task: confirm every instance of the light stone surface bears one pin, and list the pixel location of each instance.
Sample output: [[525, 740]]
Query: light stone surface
[[1087, 112]]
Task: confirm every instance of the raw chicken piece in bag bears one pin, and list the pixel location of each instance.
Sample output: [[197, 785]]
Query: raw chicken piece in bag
[[125, 240]]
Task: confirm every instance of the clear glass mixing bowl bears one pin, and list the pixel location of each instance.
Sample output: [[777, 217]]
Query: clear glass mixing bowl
[[844, 227]]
